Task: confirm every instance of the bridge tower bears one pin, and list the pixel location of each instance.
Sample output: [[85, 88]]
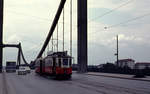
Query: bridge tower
[[1, 34], [82, 36]]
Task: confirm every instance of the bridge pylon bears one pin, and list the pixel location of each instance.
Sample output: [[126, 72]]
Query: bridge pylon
[[1, 34], [82, 36]]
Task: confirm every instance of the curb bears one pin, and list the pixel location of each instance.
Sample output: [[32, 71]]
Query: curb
[[118, 77]]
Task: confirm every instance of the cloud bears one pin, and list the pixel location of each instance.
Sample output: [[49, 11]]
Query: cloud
[[13, 39]]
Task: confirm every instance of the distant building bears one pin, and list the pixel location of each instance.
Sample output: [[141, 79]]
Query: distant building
[[126, 62], [142, 65]]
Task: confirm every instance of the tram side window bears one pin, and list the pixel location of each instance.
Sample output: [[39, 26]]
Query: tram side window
[[59, 62]]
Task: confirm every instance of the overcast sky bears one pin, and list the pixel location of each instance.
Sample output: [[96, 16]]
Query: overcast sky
[[29, 21]]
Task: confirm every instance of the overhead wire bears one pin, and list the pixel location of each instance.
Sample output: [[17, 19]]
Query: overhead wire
[[35, 17], [75, 25], [121, 23], [31, 16], [127, 21], [106, 13], [91, 20]]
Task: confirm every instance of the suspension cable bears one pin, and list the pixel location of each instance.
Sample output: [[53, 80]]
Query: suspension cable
[[52, 42], [57, 37], [48, 48], [71, 28], [21, 52], [62, 3], [63, 26]]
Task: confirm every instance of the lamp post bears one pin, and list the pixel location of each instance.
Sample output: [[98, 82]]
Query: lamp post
[[116, 54]]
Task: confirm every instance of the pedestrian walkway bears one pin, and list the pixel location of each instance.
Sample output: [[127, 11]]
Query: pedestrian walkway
[[121, 76]]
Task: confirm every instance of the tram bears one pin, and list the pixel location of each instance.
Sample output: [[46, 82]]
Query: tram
[[57, 64]]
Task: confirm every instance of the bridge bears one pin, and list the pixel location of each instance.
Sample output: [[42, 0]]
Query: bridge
[[82, 82], [82, 35]]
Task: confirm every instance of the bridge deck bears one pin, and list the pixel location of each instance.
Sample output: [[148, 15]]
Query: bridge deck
[[80, 84]]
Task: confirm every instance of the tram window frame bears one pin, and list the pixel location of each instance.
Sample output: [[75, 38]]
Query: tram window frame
[[65, 61], [54, 62], [49, 62], [70, 62], [59, 62]]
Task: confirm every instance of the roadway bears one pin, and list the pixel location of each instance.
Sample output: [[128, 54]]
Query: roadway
[[12, 83]]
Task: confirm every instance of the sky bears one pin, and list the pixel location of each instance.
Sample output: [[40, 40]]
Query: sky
[[29, 22]]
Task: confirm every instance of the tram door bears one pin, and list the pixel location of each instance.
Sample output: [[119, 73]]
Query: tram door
[[54, 65], [41, 66]]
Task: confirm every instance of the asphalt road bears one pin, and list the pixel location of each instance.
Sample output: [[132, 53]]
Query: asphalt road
[[12, 83]]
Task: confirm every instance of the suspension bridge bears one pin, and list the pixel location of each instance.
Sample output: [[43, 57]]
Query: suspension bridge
[[82, 35], [82, 82]]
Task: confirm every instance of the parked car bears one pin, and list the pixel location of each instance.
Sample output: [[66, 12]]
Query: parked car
[[21, 71]]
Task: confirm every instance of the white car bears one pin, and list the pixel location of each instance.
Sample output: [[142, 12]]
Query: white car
[[21, 71]]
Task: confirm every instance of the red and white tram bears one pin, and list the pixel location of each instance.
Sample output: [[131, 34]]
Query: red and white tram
[[57, 64]]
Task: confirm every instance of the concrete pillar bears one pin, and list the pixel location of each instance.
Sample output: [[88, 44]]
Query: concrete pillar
[[1, 34], [82, 36]]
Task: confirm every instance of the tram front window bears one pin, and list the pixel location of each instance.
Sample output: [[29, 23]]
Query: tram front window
[[70, 62], [65, 62]]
